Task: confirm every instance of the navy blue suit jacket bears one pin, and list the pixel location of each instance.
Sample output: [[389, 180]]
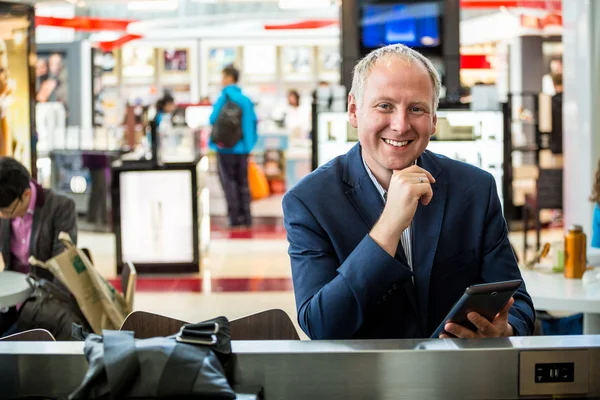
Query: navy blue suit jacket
[[348, 287]]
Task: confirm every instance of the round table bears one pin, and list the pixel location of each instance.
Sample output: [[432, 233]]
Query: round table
[[14, 288], [553, 292]]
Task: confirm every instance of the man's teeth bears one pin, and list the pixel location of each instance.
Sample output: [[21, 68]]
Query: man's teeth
[[394, 143]]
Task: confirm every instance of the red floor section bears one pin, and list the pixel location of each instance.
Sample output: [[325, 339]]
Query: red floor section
[[263, 228], [193, 284]]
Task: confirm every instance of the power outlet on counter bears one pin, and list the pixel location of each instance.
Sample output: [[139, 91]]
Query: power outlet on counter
[[558, 372]]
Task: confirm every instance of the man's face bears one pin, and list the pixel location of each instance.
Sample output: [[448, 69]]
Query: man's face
[[18, 208], [395, 118]]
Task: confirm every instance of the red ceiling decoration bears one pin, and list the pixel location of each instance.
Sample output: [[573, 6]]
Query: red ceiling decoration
[[310, 24], [550, 5], [92, 25], [84, 23]]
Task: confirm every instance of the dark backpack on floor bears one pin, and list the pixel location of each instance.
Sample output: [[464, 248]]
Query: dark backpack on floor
[[51, 307], [227, 130]]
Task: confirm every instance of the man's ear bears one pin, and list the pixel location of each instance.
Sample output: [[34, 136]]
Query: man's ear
[[434, 124], [352, 110]]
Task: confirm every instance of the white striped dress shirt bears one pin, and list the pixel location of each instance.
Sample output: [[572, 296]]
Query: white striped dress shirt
[[406, 238]]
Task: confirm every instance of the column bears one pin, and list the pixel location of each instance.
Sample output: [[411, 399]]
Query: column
[[581, 108]]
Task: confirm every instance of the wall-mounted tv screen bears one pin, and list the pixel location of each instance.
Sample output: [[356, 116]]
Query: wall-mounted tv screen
[[413, 24]]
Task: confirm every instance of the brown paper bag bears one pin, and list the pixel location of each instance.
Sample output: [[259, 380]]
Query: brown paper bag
[[102, 305]]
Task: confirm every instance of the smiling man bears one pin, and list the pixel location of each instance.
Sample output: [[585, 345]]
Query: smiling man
[[385, 239]]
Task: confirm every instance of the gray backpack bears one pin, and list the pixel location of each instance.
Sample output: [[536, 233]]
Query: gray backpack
[[190, 365]]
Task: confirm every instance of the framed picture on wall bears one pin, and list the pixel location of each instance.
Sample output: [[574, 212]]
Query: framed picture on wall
[[106, 66], [329, 63], [259, 63], [174, 61], [297, 63], [138, 64], [174, 67], [218, 58]]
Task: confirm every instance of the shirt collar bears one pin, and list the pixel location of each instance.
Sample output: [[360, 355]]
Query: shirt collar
[[32, 199], [380, 189]]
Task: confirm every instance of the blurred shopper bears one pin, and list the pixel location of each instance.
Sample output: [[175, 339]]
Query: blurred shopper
[[233, 137], [31, 220], [596, 199], [556, 136], [385, 239], [165, 107], [297, 119], [556, 67]]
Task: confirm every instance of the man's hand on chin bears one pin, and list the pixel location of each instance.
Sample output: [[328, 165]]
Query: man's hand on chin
[[499, 327]]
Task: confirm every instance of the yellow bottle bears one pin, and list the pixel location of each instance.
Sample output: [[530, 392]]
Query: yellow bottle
[[575, 252]]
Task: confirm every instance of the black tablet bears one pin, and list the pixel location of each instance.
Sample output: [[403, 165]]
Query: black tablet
[[487, 299]]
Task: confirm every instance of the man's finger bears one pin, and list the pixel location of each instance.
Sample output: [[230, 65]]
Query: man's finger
[[416, 168], [506, 309], [426, 198], [483, 325], [459, 331]]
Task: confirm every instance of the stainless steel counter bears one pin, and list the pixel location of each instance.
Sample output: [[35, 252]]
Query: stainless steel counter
[[387, 369]]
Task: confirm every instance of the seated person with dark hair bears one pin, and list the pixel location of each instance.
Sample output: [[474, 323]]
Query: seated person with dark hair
[[31, 219], [385, 238]]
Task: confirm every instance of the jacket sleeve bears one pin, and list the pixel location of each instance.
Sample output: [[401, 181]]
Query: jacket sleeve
[[64, 220], [217, 109], [499, 264], [332, 299]]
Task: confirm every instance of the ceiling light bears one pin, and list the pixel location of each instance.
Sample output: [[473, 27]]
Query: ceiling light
[[303, 4], [151, 5]]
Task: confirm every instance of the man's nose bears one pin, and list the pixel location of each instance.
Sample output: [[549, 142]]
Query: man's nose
[[400, 122]]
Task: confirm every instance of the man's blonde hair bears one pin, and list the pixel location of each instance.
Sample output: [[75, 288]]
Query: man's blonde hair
[[364, 67]]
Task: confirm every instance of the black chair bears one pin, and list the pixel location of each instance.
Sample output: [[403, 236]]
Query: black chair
[[265, 325], [548, 196], [33, 335]]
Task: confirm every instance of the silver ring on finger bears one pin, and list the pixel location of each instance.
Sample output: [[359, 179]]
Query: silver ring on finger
[[421, 179]]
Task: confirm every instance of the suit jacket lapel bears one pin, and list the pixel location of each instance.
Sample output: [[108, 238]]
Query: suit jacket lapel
[[362, 192], [35, 231], [427, 225], [368, 203]]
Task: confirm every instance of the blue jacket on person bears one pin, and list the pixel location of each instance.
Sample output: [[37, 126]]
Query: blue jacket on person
[[249, 120], [596, 227], [348, 287]]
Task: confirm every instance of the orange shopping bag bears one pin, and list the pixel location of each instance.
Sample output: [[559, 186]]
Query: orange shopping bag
[[257, 181]]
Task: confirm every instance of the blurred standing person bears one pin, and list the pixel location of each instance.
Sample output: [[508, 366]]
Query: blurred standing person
[[233, 137], [297, 119]]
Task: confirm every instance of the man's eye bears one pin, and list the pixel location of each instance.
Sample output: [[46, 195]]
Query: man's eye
[[417, 109], [385, 107]]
